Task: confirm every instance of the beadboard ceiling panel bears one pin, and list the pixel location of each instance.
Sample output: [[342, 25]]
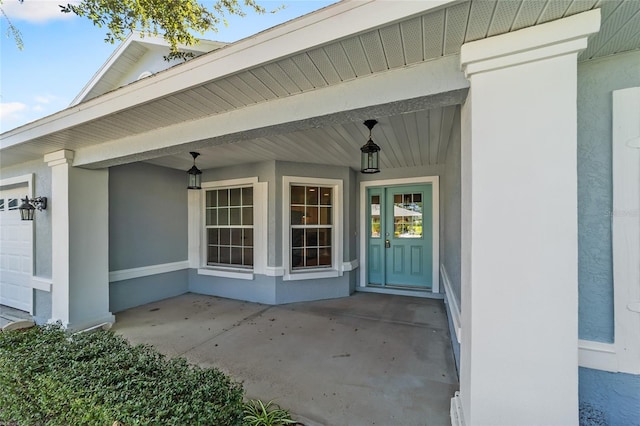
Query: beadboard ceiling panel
[[407, 140]]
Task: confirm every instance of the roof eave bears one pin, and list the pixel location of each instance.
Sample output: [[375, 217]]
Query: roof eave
[[307, 32]]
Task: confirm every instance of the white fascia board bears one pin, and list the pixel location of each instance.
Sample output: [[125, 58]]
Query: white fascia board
[[332, 23], [420, 80]]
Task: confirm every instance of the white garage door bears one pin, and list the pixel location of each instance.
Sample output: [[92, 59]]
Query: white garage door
[[16, 251]]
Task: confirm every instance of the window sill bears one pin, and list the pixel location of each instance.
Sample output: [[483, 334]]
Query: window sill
[[312, 274], [226, 273]]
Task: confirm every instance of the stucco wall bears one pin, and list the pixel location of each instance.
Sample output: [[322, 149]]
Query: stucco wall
[[615, 395], [450, 220], [147, 216], [596, 81], [140, 291]]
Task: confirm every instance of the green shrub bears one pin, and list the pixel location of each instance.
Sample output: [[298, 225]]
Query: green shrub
[[48, 376], [256, 413]]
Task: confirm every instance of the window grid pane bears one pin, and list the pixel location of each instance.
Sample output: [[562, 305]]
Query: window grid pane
[[311, 211], [229, 223]]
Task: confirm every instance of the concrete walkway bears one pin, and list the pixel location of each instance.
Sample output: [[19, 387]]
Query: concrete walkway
[[368, 359], [9, 315]]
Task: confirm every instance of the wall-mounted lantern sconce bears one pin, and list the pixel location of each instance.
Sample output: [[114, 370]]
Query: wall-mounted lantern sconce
[[29, 206], [370, 162], [195, 174]]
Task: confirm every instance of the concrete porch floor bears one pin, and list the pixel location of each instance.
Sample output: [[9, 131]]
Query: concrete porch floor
[[368, 359]]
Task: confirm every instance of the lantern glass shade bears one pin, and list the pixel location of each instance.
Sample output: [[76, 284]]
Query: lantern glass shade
[[370, 162], [27, 210], [195, 178], [195, 175]]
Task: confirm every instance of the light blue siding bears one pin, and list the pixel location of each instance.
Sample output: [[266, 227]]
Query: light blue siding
[[272, 290], [140, 291], [41, 306], [147, 216], [450, 219], [615, 396]]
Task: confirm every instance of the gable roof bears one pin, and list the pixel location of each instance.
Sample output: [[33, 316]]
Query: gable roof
[[116, 71]]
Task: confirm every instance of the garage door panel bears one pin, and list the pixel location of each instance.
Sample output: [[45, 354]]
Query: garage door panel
[[16, 251]]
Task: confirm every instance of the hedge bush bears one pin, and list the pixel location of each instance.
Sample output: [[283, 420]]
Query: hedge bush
[[48, 376]]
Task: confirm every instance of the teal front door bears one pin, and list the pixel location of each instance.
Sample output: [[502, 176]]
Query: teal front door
[[400, 236]]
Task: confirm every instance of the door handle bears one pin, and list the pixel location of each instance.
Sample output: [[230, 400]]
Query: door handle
[[387, 243]]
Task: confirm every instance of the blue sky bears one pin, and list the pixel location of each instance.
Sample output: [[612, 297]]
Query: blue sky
[[62, 52]]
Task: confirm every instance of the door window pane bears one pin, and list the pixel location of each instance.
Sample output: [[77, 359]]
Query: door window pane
[[374, 208], [407, 215]]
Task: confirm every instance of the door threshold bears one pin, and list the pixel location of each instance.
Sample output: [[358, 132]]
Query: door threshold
[[427, 294]]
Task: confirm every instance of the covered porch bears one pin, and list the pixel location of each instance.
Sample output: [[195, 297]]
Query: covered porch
[[369, 359], [467, 106]]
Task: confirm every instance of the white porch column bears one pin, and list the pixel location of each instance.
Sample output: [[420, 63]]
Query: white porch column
[[519, 360], [80, 234]]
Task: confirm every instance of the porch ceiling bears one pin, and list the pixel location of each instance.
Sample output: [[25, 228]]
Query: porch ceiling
[[404, 43], [412, 139]]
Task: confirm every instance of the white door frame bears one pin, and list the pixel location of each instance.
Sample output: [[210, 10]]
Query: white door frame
[[435, 182]]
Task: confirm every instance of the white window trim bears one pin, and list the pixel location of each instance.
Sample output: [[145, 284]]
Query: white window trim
[[435, 184], [198, 237], [337, 241]]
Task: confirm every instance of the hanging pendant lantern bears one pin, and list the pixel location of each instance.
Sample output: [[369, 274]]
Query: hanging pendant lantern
[[370, 161], [195, 174]]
